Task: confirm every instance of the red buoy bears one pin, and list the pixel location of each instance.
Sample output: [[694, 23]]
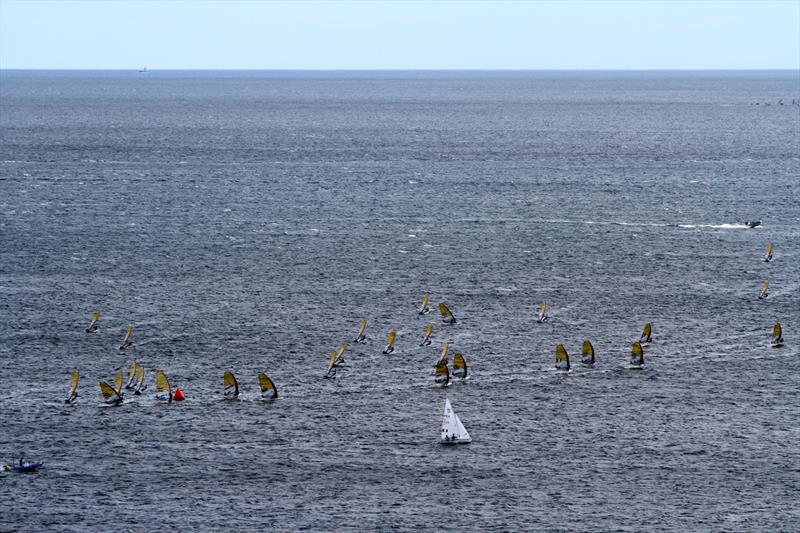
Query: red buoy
[[178, 396]]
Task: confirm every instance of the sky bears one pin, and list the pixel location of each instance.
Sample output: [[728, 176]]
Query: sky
[[618, 35]]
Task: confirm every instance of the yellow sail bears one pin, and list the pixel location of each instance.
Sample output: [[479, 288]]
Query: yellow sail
[[267, 385], [587, 353], [769, 252], [140, 379], [542, 311], [162, 383], [426, 338], [73, 386], [765, 287], [362, 332], [447, 314], [459, 366], [443, 355], [118, 381], [562, 358], [76, 376], [128, 335], [131, 375], [646, 333], [637, 354], [93, 325], [442, 373], [108, 392], [777, 330], [341, 351], [332, 362], [426, 298], [392, 337], [231, 385]]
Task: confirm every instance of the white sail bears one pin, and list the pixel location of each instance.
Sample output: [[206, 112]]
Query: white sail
[[453, 431]]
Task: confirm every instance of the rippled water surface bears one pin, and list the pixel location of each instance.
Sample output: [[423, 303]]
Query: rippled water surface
[[249, 221]]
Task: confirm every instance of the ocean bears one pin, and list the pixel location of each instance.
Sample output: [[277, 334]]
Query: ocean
[[248, 221]]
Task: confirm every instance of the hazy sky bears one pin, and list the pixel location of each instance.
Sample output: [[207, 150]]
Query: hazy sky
[[400, 35]]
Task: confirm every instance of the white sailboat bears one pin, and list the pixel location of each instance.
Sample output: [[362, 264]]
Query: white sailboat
[[453, 431]]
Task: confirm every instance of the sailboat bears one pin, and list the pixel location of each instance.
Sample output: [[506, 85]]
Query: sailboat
[[110, 395], [777, 335], [637, 355], [764, 291], [453, 431], [127, 340], [340, 354], [118, 379], [587, 354], [542, 312], [647, 334], [768, 257], [442, 373], [426, 338], [163, 387], [142, 385], [268, 390], [132, 376], [424, 309], [390, 344], [443, 354], [331, 367], [73, 387], [362, 333], [562, 358], [447, 315], [231, 391], [459, 366], [93, 326]]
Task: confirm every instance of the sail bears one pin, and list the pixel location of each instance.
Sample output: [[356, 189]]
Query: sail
[[141, 386], [447, 315], [267, 386], [231, 385], [542, 311], [362, 332], [426, 338], [127, 340], [110, 395], [443, 355], [390, 342], [163, 388], [93, 325], [637, 354], [118, 382], [73, 386], [459, 366], [340, 354], [131, 375], [768, 257], [764, 291], [562, 358], [442, 373], [425, 309], [646, 333], [587, 353], [453, 431], [777, 335]]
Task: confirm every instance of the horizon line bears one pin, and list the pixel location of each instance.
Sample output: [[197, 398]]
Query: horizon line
[[205, 69]]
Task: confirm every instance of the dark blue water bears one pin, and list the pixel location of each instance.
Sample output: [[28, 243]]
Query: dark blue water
[[249, 221]]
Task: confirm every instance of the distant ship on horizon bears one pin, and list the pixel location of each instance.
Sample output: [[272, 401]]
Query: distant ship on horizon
[[143, 69]]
